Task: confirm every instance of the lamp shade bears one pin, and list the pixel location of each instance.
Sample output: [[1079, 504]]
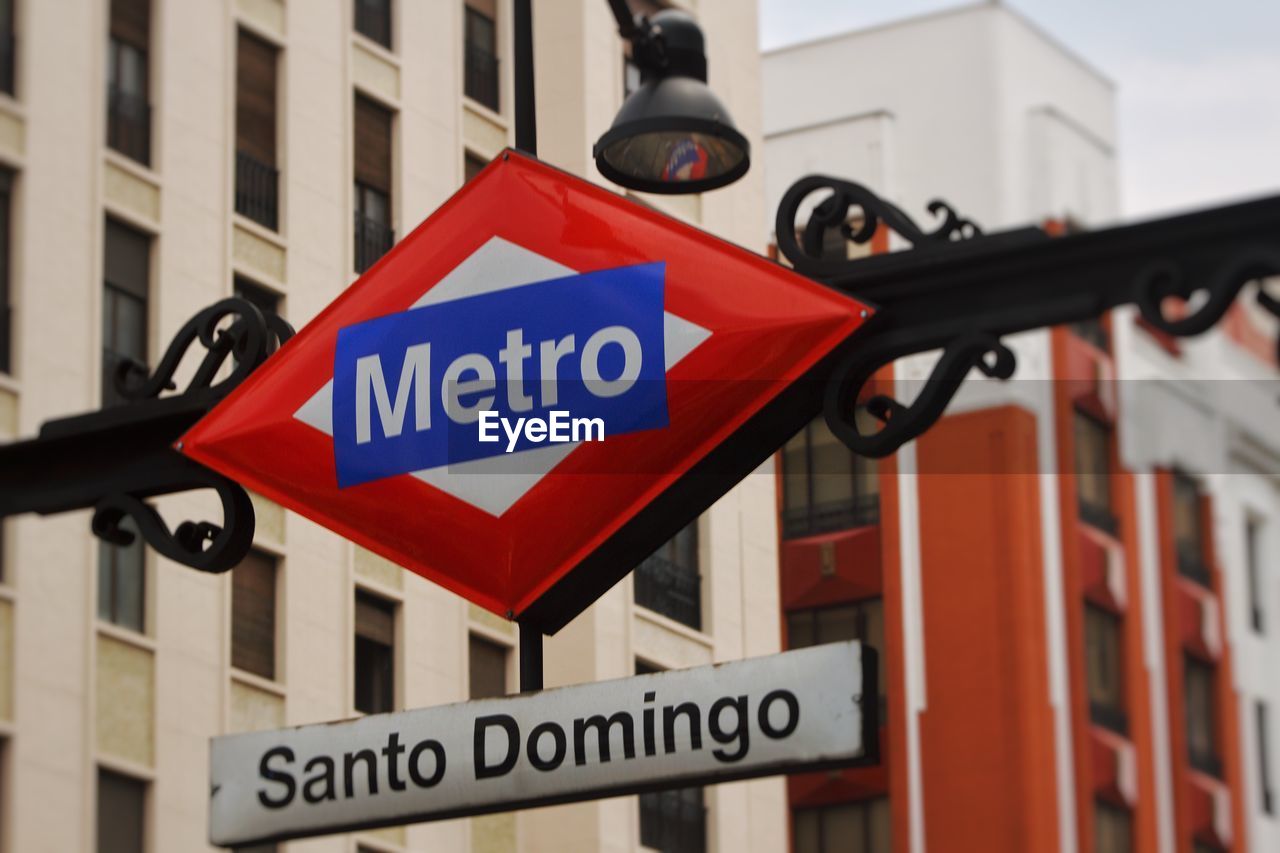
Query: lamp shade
[[673, 135]]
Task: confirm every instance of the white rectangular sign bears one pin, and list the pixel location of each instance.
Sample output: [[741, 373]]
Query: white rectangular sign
[[805, 709]]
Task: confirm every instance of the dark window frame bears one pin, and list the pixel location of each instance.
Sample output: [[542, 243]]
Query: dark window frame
[[669, 581], [9, 50], [1094, 497], [375, 20], [1266, 788], [1201, 674], [373, 213], [120, 288], [868, 806], [1189, 544], [248, 653], [809, 518], [129, 80], [375, 653], [113, 562], [109, 839], [1254, 532], [480, 647], [482, 81], [674, 820], [257, 174], [1110, 714], [6, 270]]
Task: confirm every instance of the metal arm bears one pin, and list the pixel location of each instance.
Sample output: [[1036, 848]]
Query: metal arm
[[959, 291], [115, 459]]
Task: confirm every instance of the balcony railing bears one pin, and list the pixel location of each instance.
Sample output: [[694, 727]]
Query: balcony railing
[[670, 589], [859, 511], [373, 240], [1108, 717], [129, 125], [1098, 516], [674, 821], [257, 191], [1206, 762], [373, 19], [481, 76], [8, 54]]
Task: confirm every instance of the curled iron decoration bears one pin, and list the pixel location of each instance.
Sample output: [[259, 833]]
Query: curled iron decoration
[[201, 545], [1163, 279], [248, 339], [902, 423], [833, 213]]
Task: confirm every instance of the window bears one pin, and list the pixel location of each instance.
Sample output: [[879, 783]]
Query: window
[[264, 299], [1112, 828], [674, 821], [1253, 533], [373, 232], [862, 620], [6, 312], [825, 486], [373, 20], [128, 112], [126, 274], [1262, 719], [1188, 536], [1202, 749], [859, 827], [668, 581], [1104, 668], [375, 654], [257, 179], [122, 581], [480, 75], [253, 615], [7, 47], [472, 165], [487, 668], [121, 813], [1093, 471]]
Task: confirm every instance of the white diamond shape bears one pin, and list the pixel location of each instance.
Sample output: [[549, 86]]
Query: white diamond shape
[[495, 483]]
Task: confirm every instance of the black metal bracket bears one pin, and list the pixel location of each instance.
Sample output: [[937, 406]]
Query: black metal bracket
[[960, 291], [115, 459]]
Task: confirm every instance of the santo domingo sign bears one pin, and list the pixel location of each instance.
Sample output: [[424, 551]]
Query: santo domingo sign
[[808, 709], [532, 391]]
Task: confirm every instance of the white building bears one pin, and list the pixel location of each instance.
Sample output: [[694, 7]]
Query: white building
[[160, 154]]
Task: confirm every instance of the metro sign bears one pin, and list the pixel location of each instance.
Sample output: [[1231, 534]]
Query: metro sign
[[532, 297]]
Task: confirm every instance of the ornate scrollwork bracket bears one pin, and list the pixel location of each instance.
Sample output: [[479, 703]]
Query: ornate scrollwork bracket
[[117, 459], [960, 291], [848, 204]]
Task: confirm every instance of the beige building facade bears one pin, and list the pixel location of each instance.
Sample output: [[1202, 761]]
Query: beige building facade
[[159, 156]]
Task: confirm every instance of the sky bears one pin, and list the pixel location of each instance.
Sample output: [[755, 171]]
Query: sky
[[1198, 83]]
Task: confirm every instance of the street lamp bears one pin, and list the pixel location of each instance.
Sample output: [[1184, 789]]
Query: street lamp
[[672, 135]]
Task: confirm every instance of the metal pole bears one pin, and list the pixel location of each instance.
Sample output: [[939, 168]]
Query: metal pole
[[530, 658], [526, 100]]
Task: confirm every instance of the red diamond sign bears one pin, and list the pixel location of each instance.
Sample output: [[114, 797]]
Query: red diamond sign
[[532, 391]]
